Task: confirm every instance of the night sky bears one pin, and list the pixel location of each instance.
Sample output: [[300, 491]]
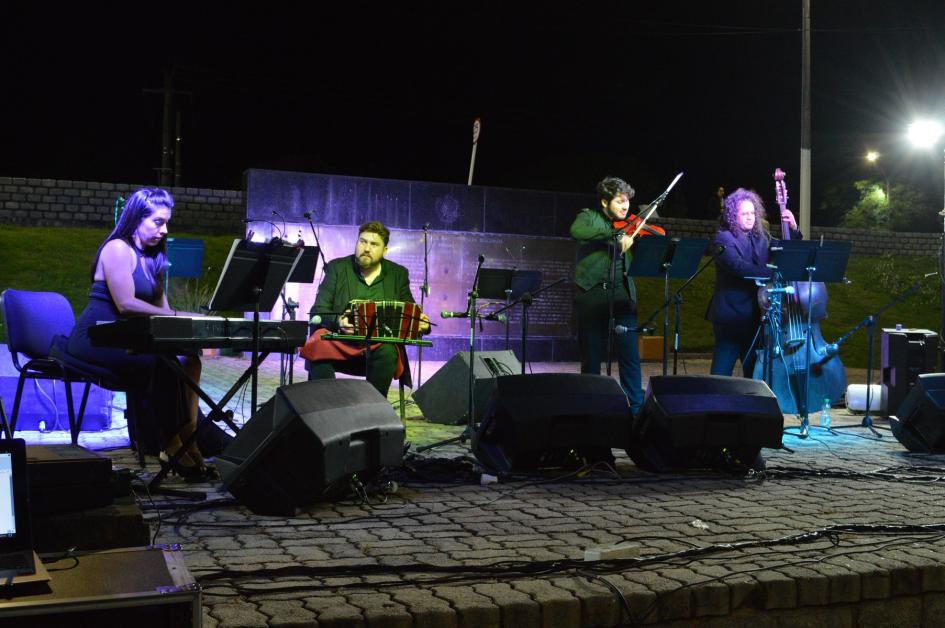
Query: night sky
[[390, 90]]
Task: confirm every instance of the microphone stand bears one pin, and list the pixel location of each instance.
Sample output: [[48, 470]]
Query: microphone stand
[[424, 290], [870, 323], [470, 431], [676, 301], [526, 300], [286, 361], [321, 251]]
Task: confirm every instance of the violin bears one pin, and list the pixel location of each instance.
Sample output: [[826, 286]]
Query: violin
[[635, 225]]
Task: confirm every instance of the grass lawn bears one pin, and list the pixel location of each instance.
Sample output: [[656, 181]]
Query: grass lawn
[[58, 258]]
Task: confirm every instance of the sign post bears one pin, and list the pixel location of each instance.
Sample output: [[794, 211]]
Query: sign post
[[477, 124]]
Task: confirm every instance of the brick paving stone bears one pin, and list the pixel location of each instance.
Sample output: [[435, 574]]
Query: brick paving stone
[[428, 611], [334, 612], [287, 613], [242, 614], [517, 609], [600, 605], [380, 611], [472, 609], [813, 588], [559, 607]]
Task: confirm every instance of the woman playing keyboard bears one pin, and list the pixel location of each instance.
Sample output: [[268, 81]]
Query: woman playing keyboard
[[126, 281]]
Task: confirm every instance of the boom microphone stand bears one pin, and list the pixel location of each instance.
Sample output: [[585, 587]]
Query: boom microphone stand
[[870, 323], [470, 313]]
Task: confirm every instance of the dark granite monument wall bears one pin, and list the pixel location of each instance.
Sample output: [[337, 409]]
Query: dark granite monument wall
[[512, 229]]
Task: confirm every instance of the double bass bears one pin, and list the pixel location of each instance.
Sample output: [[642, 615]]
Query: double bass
[[792, 356]]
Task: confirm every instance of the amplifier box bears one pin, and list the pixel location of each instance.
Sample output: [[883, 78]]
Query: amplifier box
[[64, 478], [905, 354], [143, 587]]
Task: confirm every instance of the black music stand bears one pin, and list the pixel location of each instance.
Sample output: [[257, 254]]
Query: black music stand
[[252, 278], [526, 285], [810, 261], [496, 283], [669, 258]]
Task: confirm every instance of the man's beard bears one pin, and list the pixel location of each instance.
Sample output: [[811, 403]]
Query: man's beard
[[366, 262]]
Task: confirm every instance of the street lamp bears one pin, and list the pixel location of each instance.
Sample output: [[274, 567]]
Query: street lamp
[[925, 134], [873, 157]]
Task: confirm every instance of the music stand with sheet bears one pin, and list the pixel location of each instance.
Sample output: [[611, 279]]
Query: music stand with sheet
[[252, 279], [668, 257], [304, 271]]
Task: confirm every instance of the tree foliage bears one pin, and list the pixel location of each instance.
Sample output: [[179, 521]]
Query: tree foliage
[[905, 209]]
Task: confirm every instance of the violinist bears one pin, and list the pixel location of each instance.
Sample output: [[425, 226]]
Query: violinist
[[597, 231], [734, 310]]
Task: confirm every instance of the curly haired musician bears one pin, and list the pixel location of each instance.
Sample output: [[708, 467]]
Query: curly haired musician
[[365, 275], [734, 310]]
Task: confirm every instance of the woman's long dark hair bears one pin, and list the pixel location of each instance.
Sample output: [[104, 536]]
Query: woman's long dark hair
[[141, 205]]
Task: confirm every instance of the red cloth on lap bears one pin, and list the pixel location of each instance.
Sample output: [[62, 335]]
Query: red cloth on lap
[[317, 349]]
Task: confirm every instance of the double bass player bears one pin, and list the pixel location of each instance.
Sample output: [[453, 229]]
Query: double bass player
[[733, 310]]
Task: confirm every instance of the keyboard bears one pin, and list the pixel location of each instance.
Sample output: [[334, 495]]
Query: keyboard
[[181, 334]]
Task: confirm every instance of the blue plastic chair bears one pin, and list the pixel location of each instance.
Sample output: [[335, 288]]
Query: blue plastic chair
[[38, 325]]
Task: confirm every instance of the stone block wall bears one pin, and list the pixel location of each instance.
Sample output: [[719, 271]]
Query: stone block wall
[[58, 202]]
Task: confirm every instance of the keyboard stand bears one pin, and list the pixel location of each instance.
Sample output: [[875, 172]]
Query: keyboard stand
[[217, 413]]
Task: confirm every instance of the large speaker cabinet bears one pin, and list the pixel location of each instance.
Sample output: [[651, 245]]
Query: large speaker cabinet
[[444, 398]]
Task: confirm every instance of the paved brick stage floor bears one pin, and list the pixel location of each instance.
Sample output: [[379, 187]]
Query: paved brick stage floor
[[843, 530]]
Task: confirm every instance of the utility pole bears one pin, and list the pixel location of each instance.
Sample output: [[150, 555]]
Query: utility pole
[[804, 217], [170, 144]]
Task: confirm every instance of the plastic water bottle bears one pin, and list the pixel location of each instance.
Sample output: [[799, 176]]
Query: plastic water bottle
[[825, 413]]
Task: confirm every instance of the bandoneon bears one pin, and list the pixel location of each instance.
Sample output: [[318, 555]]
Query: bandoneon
[[386, 319]]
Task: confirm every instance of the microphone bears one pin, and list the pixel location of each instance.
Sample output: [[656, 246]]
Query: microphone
[[482, 258], [829, 349], [495, 317], [448, 314], [426, 226], [315, 320], [623, 329], [784, 290]]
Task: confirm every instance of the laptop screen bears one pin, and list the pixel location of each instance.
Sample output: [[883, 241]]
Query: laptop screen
[[7, 505]]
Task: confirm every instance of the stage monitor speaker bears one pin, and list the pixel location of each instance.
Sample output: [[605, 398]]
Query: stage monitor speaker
[[444, 398], [919, 422], [905, 354], [552, 420], [709, 421], [306, 443]]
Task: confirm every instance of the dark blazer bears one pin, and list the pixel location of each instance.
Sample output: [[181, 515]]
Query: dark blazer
[[735, 298], [341, 283]]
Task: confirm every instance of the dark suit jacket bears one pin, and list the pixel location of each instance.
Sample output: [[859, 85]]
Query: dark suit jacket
[[341, 283], [735, 298]]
